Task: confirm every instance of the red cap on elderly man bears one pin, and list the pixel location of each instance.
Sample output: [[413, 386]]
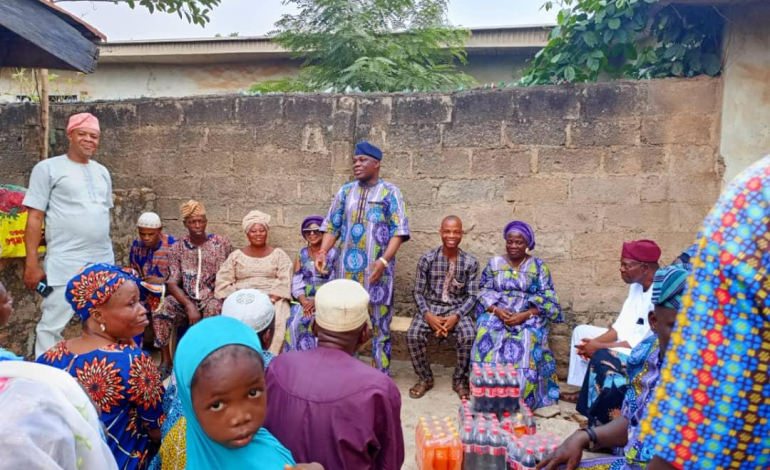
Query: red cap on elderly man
[[83, 121], [646, 251]]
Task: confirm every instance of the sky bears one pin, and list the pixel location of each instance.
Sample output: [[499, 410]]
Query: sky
[[256, 17]]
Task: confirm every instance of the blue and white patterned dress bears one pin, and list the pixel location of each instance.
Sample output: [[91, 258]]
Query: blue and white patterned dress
[[306, 281]]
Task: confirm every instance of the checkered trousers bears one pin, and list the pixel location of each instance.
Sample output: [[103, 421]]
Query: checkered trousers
[[417, 340]]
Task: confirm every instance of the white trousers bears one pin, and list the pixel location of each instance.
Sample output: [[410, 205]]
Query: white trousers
[[57, 312], [577, 365]]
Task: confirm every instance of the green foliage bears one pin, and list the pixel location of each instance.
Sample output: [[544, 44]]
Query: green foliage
[[374, 45], [628, 39], [194, 11], [279, 85]]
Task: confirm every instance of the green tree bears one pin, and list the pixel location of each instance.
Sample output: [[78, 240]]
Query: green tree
[[194, 11], [372, 45], [628, 39]]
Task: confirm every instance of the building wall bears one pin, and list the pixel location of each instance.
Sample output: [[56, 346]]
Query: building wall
[[746, 104], [121, 81], [124, 81], [19, 334], [589, 166]]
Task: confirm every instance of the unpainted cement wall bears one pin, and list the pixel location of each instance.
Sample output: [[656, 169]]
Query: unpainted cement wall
[[589, 166]]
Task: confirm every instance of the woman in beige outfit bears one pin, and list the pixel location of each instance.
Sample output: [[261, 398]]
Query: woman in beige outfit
[[259, 266]]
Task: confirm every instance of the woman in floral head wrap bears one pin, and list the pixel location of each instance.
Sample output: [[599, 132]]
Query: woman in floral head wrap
[[120, 378]]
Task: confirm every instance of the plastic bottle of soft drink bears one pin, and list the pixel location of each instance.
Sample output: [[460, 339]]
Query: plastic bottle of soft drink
[[519, 428], [440, 453], [501, 392], [511, 459], [514, 390], [496, 450], [483, 458], [528, 461], [478, 390], [425, 451], [469, 457], [490, 392], [531, 425], [455, 453], [540, 454]]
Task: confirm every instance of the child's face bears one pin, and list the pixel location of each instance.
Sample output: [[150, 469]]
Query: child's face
[[6, 305], [229, 399]]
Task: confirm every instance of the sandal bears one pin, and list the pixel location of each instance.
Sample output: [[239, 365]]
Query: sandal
[[569, 397], [462, 391], [165, 372], [420, 389]]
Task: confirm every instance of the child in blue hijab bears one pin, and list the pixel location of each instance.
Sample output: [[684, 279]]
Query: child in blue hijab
[[220, 374]]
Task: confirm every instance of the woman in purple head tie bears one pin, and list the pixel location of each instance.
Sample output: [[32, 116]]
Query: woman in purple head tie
[[304, 284], [517, 300]]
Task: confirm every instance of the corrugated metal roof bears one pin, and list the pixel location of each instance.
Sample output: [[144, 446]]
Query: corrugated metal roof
[[226, 49]]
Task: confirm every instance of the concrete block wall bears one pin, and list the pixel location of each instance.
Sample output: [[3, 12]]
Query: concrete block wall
[[19, 334], [589, 166]]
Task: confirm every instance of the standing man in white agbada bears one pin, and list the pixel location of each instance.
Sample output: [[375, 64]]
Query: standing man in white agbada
[[73, 194], [638, 263]]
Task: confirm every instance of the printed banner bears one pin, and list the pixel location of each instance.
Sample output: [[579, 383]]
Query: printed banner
[[13, 220]]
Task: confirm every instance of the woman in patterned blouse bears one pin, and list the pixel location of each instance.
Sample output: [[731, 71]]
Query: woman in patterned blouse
[[120, 378]]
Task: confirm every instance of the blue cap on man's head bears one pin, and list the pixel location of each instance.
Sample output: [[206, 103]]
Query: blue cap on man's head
[[365, 148]]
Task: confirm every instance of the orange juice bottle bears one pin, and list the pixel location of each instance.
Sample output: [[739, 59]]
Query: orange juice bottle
[[441, 453], [456, 453], [519, 427]]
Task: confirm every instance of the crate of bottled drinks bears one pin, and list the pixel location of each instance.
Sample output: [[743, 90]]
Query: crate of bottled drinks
[[495, 389], [483, 441]]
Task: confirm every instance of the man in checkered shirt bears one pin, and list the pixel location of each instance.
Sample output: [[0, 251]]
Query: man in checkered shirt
[[445, 293]]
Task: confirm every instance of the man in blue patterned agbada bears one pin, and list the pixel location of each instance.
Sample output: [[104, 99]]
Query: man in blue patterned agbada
[[368, 217]]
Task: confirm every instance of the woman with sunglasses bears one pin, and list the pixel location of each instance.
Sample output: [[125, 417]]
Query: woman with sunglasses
[[304, 285]]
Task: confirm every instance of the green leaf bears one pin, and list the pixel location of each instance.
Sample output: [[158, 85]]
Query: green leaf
[[608, 33], [677, 68], [613, 23], [569, 74], [621, 35], [598, 54], [590, 39], [555, 59]]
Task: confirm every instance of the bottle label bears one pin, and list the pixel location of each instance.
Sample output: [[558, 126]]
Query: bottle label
[[477, 392], [497, 451], [513, 392]]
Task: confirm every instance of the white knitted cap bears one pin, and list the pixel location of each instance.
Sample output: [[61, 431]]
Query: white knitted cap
[[250, 306], [149, 220], [341, 305]]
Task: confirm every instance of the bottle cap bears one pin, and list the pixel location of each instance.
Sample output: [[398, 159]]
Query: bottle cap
[[530, 451]]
